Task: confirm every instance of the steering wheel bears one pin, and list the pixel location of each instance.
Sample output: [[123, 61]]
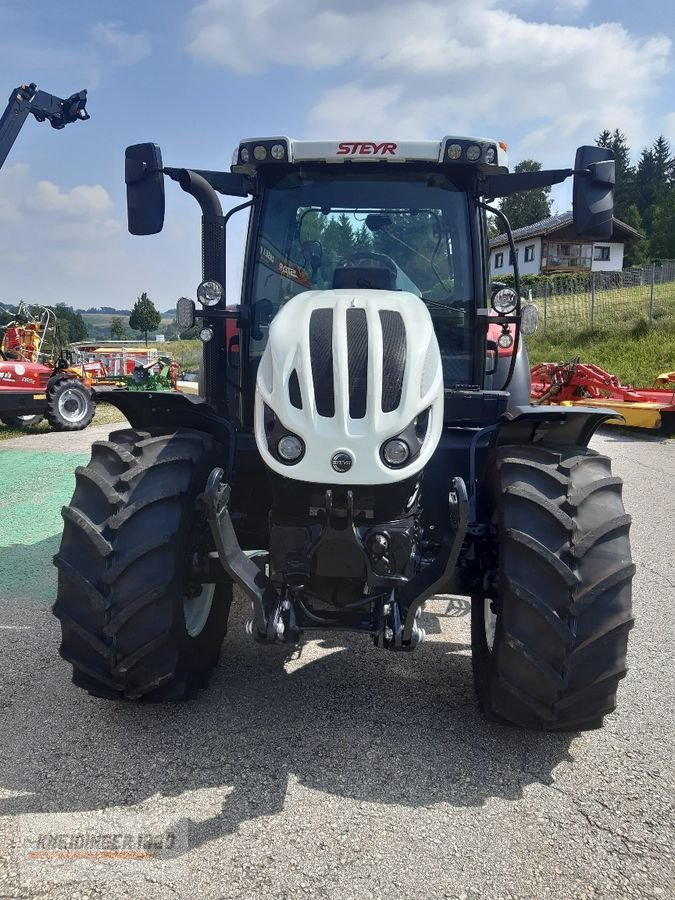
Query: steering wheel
[[357, 256]]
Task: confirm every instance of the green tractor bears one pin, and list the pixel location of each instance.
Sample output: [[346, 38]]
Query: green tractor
[[363, 441]]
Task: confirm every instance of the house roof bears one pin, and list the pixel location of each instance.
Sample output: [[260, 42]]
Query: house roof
[[555, 223]]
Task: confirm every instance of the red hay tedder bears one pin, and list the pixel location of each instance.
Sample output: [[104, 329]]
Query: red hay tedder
[[583, 384]]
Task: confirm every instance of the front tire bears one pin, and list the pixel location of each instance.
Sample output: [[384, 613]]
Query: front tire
[[70, 406], [135, 621], [549, 650]]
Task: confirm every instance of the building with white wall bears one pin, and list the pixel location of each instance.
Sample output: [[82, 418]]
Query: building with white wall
[[552, 246]]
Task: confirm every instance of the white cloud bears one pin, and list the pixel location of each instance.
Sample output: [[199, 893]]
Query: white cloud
[[70, 244], [83, 201], [69, 234], [125, 48], [426, 67], [89, 55]]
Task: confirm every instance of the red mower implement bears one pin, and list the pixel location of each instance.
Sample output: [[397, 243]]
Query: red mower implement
[[582, 384]]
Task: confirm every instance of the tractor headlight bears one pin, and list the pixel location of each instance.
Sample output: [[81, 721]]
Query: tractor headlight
[[210, 292], [290, 448], [260, 152], [473, 152], [278, 151], [505, 301], [205, 335], [395, 452], [505, 340], [454, 151]]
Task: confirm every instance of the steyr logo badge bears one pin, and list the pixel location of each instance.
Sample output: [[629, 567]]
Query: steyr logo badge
[[365, 148], [342, 461]]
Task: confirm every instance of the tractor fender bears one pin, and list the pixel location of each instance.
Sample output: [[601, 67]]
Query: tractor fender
[[564, 425], [558, 426], [169, 410]]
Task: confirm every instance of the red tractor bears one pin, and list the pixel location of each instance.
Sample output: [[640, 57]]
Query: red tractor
[[36, 380]]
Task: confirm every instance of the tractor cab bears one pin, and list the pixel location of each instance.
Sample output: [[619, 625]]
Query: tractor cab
[[404, 228]]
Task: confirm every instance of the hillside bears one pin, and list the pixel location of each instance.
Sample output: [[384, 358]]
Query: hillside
[[97, 320]]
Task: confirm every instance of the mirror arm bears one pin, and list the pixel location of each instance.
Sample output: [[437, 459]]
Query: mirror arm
[[493, 186], [199, 188], [516, 278]]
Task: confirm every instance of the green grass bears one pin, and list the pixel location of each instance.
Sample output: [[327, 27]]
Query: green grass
[[636, 360], [619, 339], [187, 353], [103, 320], [105, 415]]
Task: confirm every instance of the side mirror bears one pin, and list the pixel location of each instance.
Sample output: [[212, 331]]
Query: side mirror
[[593, 193], [145, 188], [529, 319], [313, 253], [185, 313], [262, 315]]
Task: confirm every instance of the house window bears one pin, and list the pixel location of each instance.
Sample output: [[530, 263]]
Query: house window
[[601, 253], [566, 256], [529, 253], [511, 255], [499, 260]]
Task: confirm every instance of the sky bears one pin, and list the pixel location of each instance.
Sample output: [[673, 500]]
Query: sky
[[197, 77]]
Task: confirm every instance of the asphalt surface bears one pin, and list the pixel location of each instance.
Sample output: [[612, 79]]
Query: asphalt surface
[[347, 772]]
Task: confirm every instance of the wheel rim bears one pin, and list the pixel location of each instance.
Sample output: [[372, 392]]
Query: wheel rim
[[490, 620], [72, 405], [196, 609]]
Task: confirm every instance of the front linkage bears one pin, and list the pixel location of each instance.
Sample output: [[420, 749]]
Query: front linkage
[[283, 614]]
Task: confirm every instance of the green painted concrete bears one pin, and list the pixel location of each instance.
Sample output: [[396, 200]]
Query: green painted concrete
[[33, 488]]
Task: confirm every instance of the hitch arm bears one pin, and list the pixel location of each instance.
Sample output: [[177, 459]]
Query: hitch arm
[[237, 565]]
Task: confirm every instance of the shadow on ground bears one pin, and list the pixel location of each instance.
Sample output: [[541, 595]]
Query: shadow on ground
[[355, 722]]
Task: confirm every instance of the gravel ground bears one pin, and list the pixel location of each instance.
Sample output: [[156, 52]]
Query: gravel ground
[[347, 772]]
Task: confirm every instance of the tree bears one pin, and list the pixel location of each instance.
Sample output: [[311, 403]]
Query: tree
[[526, 207], [625, 190], [492, 227], [172, 331], [664, 163], [654, 174], [118, 328], [70, 323], [662, 243], [635, 252], [144, 316]]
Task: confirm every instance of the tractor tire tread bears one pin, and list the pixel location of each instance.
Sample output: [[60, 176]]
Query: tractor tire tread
[[564, 589], [120, 583]]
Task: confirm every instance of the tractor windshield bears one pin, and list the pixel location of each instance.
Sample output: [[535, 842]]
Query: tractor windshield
[[402, 231]]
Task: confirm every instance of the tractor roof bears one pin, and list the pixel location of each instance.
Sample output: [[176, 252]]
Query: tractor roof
[[485, 154]]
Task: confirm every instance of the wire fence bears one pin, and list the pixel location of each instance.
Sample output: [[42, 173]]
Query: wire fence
[[603, 300]]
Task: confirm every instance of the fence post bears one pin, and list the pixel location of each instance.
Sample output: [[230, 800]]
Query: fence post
[[651, 297], [545, 303], [592, 299]]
